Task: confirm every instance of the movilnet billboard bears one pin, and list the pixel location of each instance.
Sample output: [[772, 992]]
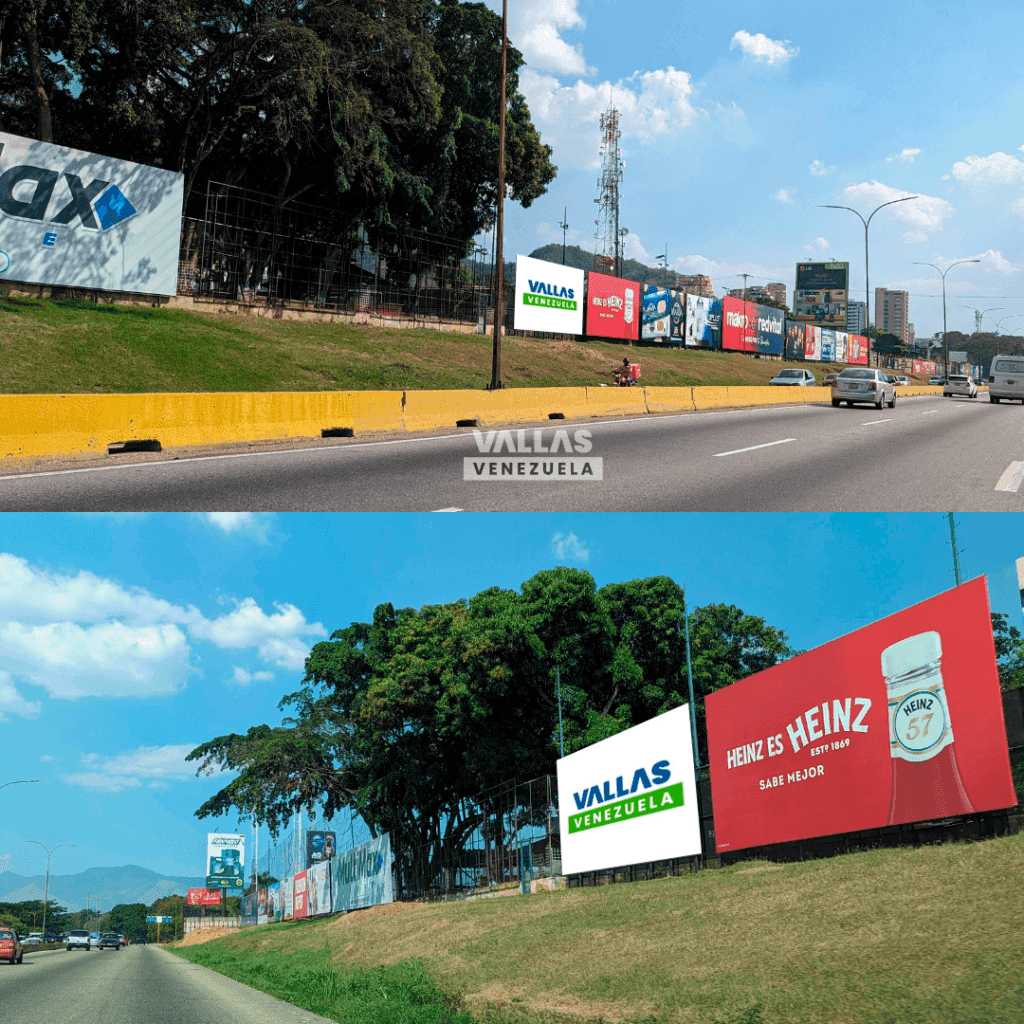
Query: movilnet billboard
[[703, 322], [630, 798], [613, 307], [821, 292], [203, 897], [899, 721], [549, 297], [751, 327], [68, 217]]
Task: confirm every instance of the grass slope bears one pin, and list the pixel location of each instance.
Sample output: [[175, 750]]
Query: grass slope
[[925, 936], [76, 347]]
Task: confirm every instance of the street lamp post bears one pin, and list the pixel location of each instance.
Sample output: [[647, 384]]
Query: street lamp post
[[16, 781], [500, 269], [943, 273], [46, 891], [622, 244], [664, 265], [564, 225], [1012, 316], [867, 284], [979, 315]]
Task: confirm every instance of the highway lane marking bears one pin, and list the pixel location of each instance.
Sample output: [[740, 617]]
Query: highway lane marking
[[1012, 478], [449, 510], [871, 423], [930, 412], [753, 447]]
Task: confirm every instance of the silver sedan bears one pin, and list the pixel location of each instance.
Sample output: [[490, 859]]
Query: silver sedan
[[862, 384]]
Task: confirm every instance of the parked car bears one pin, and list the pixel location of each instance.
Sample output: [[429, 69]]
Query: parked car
[[937, 381], [1006, 379], [794, 378], [901, 380], [34, 939], [864, 385], [110, 940], [11, 948], [140, 939], [122, 940], [78, 938], [959, 384]]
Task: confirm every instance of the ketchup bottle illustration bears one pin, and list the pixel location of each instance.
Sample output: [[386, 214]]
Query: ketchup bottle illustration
[[926, 779]]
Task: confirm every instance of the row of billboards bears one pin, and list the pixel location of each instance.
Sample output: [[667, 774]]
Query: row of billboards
[[897, 722], [563, 300]]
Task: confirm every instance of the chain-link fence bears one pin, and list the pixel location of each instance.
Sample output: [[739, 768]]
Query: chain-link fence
[[497, 840], [248, 247]]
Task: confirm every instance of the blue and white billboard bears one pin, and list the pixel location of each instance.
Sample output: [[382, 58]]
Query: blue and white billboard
[[828, 345], [362, 876], [703, 322], [72, 218]]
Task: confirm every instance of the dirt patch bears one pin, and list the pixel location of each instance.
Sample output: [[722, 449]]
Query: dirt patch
[[503, 996], [759, 869], [384, 910], [198, 936]]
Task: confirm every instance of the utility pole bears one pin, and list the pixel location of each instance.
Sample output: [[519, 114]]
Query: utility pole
[[500, 269], [564, 225], [956, 553], [46, 892]]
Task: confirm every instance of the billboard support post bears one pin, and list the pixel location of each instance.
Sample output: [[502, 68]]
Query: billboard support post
[[499, 269], [693, 716], [867, 288], [558, 684]]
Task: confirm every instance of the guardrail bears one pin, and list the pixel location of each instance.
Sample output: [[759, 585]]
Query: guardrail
[[70, 425]]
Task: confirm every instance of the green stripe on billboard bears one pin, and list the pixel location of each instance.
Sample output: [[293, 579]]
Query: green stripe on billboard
[[638, 806], [530, 299]]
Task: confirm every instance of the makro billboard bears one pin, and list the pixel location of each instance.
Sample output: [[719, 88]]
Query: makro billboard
[[664, 315], [703, 322], [751, 327], [613, 307], [549, 297], [320, 846], [630, 798], [362, 876], [68, 217], [821, 292], [225, 861], [899, 721]]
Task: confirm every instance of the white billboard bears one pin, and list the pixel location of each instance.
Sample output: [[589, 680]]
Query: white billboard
[[225, 862], [362, 876], [68, 217], [549, 297], [631, 798]]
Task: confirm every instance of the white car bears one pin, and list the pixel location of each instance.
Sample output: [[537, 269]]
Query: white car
[[1006, 379], [78, 938], [959, 384], [794, 378], [863, 385]]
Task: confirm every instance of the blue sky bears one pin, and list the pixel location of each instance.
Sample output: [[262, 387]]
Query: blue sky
[[126, 640], [739, 119]]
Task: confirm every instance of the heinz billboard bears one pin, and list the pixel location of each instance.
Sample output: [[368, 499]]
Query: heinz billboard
[[630, 798], [613, 307], [899, 721], [751, 327]]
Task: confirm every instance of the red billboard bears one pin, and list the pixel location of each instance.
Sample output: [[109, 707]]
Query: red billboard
[[899, 721], [739, 326], [857, 350], [299, 905], [613, 307], [199, 897]]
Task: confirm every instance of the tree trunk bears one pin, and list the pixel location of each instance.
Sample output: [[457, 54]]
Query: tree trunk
[[35, 65]]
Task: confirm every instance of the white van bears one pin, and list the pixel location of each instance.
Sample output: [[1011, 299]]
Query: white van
[[1006, 378]]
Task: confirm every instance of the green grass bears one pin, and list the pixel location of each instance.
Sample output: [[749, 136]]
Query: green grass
[[897, 936], [75, 346]]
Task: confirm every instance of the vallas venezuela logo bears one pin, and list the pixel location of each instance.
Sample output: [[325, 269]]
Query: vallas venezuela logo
[[647, 794], [551, 295]]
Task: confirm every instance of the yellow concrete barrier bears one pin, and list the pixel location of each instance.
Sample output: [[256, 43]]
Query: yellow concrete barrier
[[615, 402], [669, 399]]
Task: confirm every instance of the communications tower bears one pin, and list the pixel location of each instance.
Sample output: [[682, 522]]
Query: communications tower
[[608, 247]]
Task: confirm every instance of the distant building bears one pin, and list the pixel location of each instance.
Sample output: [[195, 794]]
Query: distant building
[[911, 336], [693, 284], [855, 318], [777, 290], [891, 311], [755, 293]]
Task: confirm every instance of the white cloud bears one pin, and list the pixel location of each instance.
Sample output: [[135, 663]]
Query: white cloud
[[820, 244], [992, 262], [913, 237], [904, 156], [763, 49], [128, 769], [244, 678], [785, 195], [923, 214], [83, 635], [995, 169], [12, 702], [535, 28], [46, 757], [650, 104], [1018, 207], [108, 659], [254, 524], [568, 547], [819, 169]]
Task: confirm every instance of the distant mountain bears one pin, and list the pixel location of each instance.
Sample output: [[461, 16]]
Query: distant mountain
[[103, 887], [583, 260]]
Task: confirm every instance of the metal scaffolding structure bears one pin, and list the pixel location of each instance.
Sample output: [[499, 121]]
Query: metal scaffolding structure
[[608, 237]]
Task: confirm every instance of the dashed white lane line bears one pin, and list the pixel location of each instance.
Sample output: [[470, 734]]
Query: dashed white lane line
[[753, 447], [448, 510], [1012, 477], [930, 412], [871, 423]]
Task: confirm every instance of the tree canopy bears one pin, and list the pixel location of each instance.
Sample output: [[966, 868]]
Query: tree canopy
[[406, 718], [386, 110]]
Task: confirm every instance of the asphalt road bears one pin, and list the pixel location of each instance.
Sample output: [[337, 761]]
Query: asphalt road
[[927, 454], [135, 985]]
